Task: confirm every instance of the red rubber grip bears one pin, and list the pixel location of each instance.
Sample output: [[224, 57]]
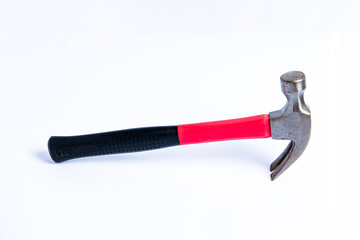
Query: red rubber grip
[[240, 128]]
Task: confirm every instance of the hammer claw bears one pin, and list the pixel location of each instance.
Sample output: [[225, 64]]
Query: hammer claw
[[282, 156], [281, 163]]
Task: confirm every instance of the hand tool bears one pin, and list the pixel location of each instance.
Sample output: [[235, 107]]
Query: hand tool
[[292, 122]]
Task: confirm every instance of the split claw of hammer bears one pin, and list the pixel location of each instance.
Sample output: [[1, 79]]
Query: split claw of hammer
[[292, 122]]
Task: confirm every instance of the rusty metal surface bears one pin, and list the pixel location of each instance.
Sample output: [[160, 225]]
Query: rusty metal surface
[[292, 122]]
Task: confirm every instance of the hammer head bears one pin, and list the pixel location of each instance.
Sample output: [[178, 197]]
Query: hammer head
[[292, 122]]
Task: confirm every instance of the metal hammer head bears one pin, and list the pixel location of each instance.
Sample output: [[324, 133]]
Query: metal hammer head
[[292, 122]]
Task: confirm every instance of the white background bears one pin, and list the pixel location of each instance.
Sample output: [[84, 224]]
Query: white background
[[78, 67]]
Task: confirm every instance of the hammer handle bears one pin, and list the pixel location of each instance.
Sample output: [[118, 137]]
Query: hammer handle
[[142, 139], [123, 141]]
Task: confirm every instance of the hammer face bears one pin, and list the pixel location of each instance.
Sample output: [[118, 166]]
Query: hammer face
[[292, 122]]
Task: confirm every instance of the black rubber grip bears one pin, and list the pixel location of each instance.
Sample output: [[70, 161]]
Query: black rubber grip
[[123, 141]]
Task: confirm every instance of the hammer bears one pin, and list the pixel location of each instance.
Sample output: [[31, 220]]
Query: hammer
[[292, 122]]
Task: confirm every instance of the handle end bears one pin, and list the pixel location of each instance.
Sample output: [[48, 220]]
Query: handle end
[[56, 153]]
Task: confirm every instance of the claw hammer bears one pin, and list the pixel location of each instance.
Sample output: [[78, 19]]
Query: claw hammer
[[292, 122]]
